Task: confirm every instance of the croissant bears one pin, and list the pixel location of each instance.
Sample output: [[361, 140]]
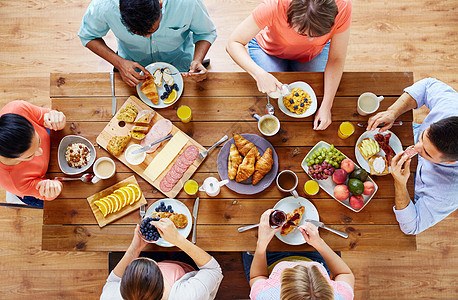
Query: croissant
[[263, 166], [246, 168], [235, 159], [244, 146], [149, 89]]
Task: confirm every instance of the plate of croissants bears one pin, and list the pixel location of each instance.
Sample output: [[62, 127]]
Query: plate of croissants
[[249, 162]]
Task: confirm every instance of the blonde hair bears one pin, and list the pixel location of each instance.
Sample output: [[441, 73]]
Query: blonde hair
[[303, 283]]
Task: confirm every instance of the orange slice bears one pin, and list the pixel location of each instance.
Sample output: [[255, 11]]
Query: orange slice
[[118, 200], [108, 204], [114, 202], [172, 97], [138, 192], [131, 192], [123, 195], [102, 207]]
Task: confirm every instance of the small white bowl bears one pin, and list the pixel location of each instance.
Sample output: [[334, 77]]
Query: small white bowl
[[63, 165], [134, 159]]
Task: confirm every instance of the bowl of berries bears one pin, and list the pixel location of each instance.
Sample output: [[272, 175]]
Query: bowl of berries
[[148, 232]]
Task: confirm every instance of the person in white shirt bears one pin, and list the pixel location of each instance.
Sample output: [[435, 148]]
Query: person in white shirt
[[143, 278]]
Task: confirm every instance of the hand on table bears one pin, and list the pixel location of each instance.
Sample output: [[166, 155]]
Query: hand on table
[[265, 232], [311, 234], [49, 188], [128, 74], [400, 174], [322, 119], [267, 83], [54, 120], [386, 117], [197, 71], [167, 230]]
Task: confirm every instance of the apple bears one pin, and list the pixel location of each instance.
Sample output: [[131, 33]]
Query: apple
[[339, 176], [347, 165], [357, 201], [369, 188], [341, 192]]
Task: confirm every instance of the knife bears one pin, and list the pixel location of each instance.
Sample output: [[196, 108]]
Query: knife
[[146, 148], [321, 224], [194, 216], [364, 125], [113, 98]]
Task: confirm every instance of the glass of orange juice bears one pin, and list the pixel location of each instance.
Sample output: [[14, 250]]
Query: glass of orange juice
[[311, 187], [346, 129], [184, 113], [191, 187]]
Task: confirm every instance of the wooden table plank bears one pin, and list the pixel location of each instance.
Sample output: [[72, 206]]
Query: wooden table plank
[[223, 238], [220, 108], [223, 83], [228, 211]]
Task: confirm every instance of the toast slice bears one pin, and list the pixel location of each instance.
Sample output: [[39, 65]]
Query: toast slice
[[368, 147], [376, 166]]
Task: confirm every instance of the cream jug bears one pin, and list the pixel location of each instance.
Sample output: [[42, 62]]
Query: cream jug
[[212, 186]]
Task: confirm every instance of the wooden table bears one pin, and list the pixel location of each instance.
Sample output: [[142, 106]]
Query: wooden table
[[221, 105]]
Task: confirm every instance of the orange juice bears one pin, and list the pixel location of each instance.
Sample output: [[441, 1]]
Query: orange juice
[[191, 187], [184, 113], [345, 130], [311, 187]]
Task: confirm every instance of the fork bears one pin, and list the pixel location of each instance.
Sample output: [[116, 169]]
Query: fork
[[203, 154], [142, 211]]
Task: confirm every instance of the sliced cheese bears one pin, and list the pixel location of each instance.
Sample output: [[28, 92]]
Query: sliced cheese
[[165, 157]]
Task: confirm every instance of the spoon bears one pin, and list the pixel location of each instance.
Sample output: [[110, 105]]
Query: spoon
[[269, 107], [84, 178]]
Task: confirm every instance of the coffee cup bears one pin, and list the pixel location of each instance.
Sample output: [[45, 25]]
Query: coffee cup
[[287, 182], [368, 103], [104, 168], [268, 125]]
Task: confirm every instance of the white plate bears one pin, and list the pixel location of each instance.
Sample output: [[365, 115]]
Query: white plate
[[179, 208], [63, 165], [306, 88], [289, 204], [160, 89], [395, 144], [328, 185]]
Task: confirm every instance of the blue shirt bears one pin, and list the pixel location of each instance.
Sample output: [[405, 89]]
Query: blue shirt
[[436, 185], [183, 23]]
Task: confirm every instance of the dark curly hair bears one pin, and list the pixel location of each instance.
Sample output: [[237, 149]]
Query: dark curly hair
[[16, 134], [312, 17], [444, 135], [139, 16]]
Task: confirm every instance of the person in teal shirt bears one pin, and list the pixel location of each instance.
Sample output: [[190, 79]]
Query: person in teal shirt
[[178, 32]]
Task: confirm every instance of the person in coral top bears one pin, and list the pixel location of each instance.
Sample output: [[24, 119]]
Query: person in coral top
[[24, 151], [295, 35]]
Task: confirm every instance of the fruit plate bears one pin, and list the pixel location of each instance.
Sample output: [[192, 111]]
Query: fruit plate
[[245, 187], [178, 207], [101, 220], [328, 185], [289, 204], [395, 144], [306, 88], [177, 78]]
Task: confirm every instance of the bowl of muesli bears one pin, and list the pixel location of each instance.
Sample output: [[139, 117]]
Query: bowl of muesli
[[75, 155]]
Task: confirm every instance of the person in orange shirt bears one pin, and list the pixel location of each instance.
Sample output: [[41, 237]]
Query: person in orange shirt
[[25, 149], [295, 35]]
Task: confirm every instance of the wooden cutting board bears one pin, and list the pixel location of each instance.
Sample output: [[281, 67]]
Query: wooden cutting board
[[116, 127], [116, 215]]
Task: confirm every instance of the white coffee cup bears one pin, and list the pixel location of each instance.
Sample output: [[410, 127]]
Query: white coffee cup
[[368, 103], [293, 184], [268, 125], [104, 168]]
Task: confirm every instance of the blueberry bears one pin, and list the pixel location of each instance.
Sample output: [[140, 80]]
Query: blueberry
[[171, 211], [302, 104], [166, 85], [296, 94], [162, 70], [291, 101], [156, 209], [162, 203], [169, 207], [295, 107], [306, 100]]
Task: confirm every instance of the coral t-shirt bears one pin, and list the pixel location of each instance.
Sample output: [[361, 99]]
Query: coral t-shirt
[[22, 179], [279, 39], [174, 270]]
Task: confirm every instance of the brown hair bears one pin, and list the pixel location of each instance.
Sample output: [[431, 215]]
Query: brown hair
[[142, 280], [312, 17], [303, 283]]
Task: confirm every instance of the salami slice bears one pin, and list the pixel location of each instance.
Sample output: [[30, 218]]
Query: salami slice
[[182, 162], [191, 153], [170, 180], [179, 169], [175, 175], [164, 186]]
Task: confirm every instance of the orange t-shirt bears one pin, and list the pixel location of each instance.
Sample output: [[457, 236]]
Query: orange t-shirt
[[23, 178], [279, 39]]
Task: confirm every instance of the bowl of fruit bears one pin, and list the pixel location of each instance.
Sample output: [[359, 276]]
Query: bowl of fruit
[[148, 232], [339, 176]]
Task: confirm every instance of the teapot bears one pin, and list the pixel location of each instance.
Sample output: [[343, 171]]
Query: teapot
[[212, 186]]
